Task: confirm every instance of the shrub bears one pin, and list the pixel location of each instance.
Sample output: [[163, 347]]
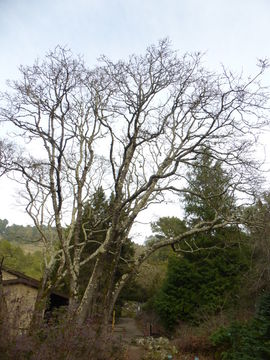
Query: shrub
[[59, 340], [250, 341], [201, 283], [194, 344]]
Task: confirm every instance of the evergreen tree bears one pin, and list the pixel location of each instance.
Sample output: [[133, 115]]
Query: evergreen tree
[[95, 221], [204, 281], [258, 226], [208, 192]]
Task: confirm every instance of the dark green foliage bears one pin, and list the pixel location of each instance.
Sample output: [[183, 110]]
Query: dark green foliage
[[264, 308], [250, 341], [258, 225], [206, 277], [201, 283], [208, 192], [96, 220]]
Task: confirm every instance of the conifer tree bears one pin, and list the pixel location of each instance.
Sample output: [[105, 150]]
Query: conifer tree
[[205, 276]]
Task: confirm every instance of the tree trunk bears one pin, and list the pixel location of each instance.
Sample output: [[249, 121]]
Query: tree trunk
[[96, 302], [42, 300], [73, 295]]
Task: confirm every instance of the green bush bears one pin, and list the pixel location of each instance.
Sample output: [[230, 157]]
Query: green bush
[[198, 284], [250, 341]]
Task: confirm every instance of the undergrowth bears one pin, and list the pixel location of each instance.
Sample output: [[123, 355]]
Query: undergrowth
[[246, 341], [58, 340]]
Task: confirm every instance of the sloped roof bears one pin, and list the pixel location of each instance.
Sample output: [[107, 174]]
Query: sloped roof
[[26, 280], [20, 276]]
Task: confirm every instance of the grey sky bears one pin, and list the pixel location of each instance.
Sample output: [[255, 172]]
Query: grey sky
[[233, 32]]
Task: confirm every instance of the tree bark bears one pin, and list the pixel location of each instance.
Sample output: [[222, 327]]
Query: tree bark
[[96, 302], [41, 303]]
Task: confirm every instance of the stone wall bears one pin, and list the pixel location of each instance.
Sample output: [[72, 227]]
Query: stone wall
[[20, 301]]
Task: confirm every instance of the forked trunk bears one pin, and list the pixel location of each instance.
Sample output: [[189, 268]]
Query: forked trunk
[[96, 302]]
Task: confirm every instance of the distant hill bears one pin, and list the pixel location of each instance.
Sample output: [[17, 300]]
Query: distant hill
[[26, 260], [28, 237]]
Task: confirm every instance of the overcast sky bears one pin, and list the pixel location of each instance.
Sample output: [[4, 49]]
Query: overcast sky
[[233, 32]]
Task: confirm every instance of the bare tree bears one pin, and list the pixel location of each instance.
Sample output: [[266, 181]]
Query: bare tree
[[55, 111], [136, 127], [8, 153]]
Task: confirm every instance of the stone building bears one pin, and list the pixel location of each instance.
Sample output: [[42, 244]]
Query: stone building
[[19, 293]]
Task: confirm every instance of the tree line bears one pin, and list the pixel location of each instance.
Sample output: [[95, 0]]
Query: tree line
[[19, 233]]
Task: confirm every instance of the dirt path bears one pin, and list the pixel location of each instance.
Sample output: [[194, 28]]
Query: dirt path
[[127, 329]]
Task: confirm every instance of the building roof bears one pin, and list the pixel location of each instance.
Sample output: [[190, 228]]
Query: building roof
[[26, 280]]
